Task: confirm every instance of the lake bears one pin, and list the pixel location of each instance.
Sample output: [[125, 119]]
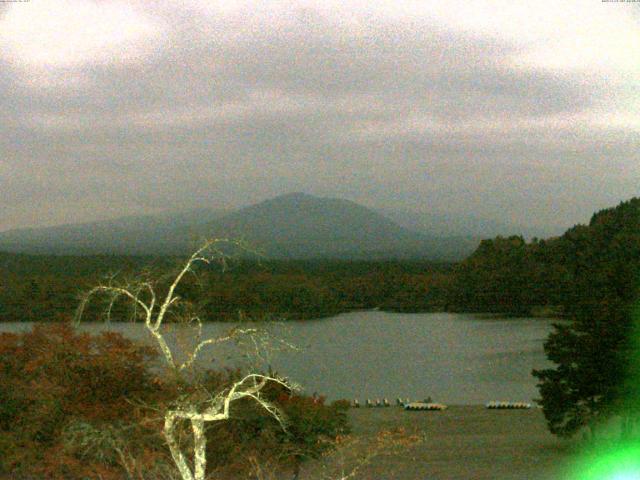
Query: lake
[[454, 358]]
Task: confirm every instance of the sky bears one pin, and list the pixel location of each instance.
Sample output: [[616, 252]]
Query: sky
[[517, 111]]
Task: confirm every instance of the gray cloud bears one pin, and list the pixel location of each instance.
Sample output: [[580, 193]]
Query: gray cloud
[[229, 109]]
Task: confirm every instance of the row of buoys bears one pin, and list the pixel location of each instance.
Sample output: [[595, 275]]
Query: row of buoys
[[424, 406], [372, 403], [507, 405], [385, 402], [427, 404]]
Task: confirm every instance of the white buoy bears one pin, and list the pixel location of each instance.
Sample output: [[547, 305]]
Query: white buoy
[[425, 406], [499, 405]]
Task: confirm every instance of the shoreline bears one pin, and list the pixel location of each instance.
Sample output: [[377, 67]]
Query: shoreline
[[283, 318]]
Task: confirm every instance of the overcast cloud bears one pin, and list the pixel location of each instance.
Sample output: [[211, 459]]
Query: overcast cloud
[[519, 111]]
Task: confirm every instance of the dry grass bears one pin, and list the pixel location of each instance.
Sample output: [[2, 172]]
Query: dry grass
[[463, 442]]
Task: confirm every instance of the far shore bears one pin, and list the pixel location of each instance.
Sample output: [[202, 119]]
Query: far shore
[[248, 316]]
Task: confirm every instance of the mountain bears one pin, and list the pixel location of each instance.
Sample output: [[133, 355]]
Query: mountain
[[447, 225], [298, 225], [294, 225], [135, 235]]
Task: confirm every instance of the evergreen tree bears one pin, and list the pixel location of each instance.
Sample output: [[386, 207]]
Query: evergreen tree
[[594, 354]]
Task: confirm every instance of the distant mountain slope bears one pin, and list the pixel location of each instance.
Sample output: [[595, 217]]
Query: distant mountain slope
[[298, 225], [452, 225], [295, 225], [138, 235]]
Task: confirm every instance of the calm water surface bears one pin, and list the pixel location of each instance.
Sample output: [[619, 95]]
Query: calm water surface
[[454, 358]]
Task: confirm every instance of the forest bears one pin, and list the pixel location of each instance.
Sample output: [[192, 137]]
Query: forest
[[46, 288], [556, 275], [505, 275]]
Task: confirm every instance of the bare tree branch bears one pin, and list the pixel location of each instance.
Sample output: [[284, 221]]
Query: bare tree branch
[[190, 408]]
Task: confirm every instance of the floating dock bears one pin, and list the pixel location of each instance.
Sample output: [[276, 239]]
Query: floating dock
[[494, 405], [415, 406]]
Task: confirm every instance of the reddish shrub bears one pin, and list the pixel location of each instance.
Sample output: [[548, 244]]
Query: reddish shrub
[[77, 406], [52, 377]]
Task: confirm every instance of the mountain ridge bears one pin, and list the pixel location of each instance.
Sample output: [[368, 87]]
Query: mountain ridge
[[293, 225]]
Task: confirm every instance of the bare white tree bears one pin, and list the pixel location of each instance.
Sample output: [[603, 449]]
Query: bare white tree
[[154, 308]]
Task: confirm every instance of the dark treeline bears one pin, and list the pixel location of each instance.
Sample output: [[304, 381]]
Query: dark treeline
[[48, 288], [504, 275], [308, 289], [511, 276], [558, 275], [597, 353]]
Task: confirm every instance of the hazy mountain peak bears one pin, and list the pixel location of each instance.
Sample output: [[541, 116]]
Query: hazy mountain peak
[[293, 196], [293, 225]]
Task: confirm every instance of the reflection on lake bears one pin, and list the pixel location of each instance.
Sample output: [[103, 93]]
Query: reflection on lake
[[454, 358]]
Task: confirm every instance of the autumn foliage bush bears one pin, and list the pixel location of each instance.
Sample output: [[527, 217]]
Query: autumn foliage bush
[[76, 406], [51, 380]]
